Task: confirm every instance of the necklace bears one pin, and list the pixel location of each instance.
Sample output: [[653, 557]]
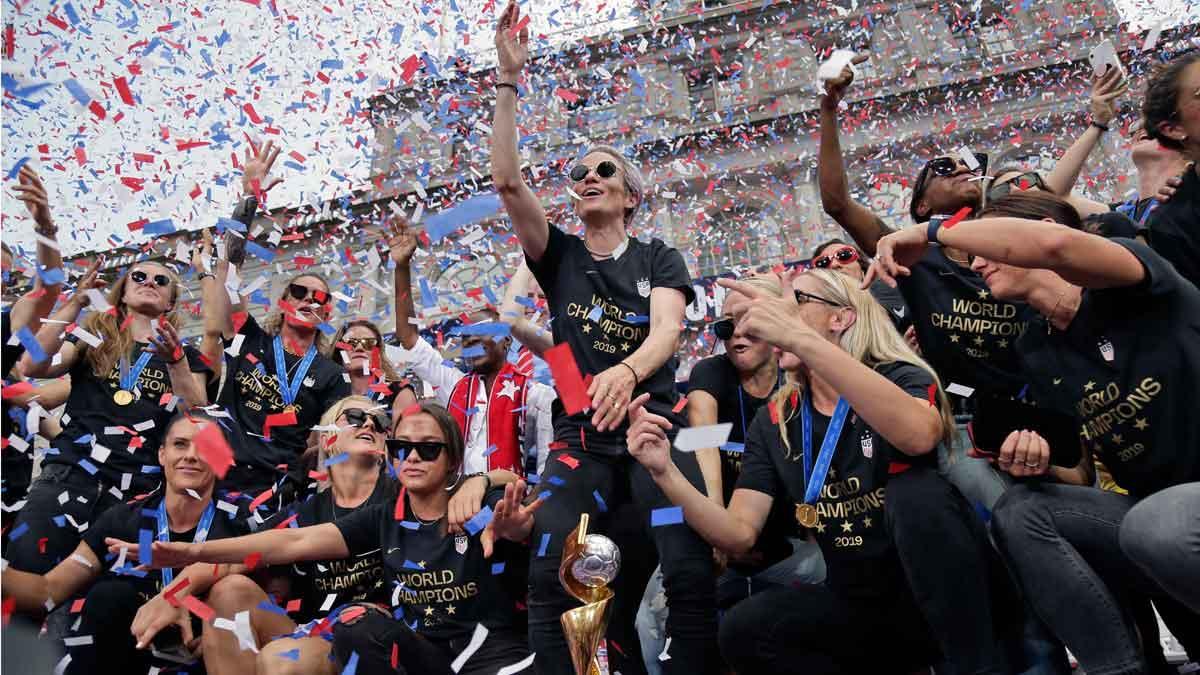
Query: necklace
[[615, 253]]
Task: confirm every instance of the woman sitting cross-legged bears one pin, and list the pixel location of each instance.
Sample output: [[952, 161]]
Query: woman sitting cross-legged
[[850, 440], [183, 510], [440, 585]]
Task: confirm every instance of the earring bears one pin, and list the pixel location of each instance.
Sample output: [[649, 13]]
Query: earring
[[453, 486]]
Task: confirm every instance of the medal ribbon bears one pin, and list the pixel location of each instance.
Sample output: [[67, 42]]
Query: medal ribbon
[[288, 390], [129, 375], [164, 533], [814, 476]]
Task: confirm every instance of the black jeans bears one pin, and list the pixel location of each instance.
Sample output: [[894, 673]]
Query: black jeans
[[374, 634], [620, 495], [87, 498], [112, 603], [1063, 545]]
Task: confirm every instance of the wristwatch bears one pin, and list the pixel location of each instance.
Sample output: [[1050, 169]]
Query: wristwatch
[[931, 231]]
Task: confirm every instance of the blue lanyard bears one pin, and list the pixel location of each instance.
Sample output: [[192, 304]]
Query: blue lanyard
[[814, 477], [288, 390], [164, 533], [1130, 209], [742, 406], [129, 375]]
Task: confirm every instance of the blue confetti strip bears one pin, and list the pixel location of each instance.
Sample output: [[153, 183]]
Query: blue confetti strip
[[671, 515], [145, 546], [479, 521], [544, 544]]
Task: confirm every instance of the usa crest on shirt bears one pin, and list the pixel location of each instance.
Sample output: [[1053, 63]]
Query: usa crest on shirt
[[643, 287], [868, 444], [460, 544]]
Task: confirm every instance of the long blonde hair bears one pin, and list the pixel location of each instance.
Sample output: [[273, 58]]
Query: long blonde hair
[[872, 339], [116, 340], [274, 321], [329, 418], [389, 371]]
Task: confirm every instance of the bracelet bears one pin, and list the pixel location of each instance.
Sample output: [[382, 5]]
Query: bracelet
[[1101, 127], [485, 477], [931, 231], [203, 275], [510, 85], [636, 380], [48, 231]]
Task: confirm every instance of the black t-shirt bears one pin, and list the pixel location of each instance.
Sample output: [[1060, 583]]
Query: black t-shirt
[[17, 465], [93, 412], [1137, 410], [354, 579], [968, 336], [442, 582], [251, 393], [852, 531], [1111, 224], [602, 309], [893, 301], [1174, 228], [126, 521]]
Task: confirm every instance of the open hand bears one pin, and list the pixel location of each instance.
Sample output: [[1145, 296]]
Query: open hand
[[512, 49], [30, 190], [166, 342], [511, 520], [401, 241], [895, 253], [257, 163]]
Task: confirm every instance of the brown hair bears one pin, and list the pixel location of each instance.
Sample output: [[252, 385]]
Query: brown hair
[[116, 342], [1161, 103], [274, 320], [389, 371], [1035, 205], [862, 257]]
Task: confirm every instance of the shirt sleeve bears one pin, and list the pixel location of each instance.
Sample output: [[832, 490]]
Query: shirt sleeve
[[118, 522], [545, 270], [196, 363], [758, 471], [707, 377], [429, 365], [914, 380], [362, 529], [540, 421], [669, 271], [251, 330]]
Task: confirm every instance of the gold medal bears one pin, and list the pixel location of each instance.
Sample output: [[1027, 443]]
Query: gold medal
[[123, 397], [289, 408], [806, 515]]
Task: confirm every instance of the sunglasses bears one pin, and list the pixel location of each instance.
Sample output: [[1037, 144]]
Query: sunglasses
[[365, 344], [299, 292], [428, 451], [844, 255], [723, 328], [358, 418], [160, 280], [945, 166], [1025, 181], [802, 298], [605, 169]]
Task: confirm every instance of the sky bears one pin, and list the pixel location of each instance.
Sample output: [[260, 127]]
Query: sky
[[132, 110]]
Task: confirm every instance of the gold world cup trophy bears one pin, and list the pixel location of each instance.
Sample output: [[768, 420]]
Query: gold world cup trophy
[[589, 563]]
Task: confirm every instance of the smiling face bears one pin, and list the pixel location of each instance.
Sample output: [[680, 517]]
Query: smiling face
[[850, 268], [182, 467], [948, 194], [746, 353], [309, 313], [358, 359], [418, 475], [1184, 125], [358, 441], [601, 199], [149, 289]]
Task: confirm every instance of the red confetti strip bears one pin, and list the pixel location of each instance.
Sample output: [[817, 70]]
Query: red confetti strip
[[957, 217], [252, 561], [569, 461], [250, 112], [195, 606], [123, 91], [214, 449], [680, 405], [567, 380], [398, 514]]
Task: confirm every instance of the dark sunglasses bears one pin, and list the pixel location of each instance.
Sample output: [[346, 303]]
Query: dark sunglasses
[[723, 328], [299, 292], [366, 344], [1025, 181], [428, 451], [358, 418], [844, 255], [802, 298], [605, 169], [160, 280], [945, 166]]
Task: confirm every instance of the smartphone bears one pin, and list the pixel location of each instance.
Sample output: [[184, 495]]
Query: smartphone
[[997, 417], [235, 248], [1102, 56]]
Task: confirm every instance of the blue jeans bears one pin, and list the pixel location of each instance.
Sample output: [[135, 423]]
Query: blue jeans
[[1161, 534], [806, 565], [1063, 545]]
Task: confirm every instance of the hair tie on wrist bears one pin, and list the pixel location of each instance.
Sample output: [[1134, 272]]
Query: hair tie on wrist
[[636, 380], [509, 85]]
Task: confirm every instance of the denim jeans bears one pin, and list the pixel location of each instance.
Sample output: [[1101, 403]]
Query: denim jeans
[[806, 565], [1063, 545], [1161, 534], [620, 495], [975, 478]]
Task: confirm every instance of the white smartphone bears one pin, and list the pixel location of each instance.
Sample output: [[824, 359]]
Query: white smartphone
[[1102, 56]]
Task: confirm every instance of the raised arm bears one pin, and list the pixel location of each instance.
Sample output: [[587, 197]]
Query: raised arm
[[215, 308], [859, 222], [50, 336], [1106, 89], [31, 591], [536, 338], [402, 243], [613, 388], [733, 530], [38, 302], [522, 205]]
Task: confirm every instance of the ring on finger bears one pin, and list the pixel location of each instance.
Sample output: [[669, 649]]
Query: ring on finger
[[1033, 465]]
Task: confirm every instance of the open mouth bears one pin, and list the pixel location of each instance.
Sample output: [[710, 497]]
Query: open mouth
[[592, 192], [365, 436]]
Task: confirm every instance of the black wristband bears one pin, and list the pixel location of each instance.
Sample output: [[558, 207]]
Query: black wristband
[[202, 275], [636, 380], [244, 213], [1099, 126], [509, 85], [486, 478]]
